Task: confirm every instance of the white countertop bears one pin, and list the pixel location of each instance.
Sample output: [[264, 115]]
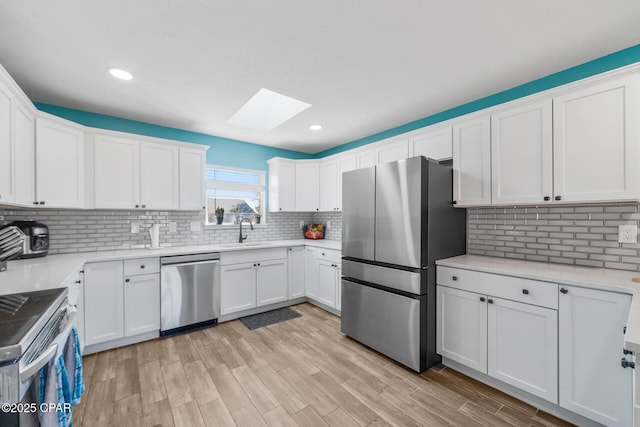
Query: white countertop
[[54, 270], [588, 277]]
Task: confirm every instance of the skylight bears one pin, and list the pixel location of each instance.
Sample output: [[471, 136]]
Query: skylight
[[267, 110]]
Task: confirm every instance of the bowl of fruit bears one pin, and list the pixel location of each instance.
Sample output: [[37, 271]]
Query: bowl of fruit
[[314, 231]]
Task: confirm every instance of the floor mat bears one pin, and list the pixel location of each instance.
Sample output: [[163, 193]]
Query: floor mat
[[256, 321]]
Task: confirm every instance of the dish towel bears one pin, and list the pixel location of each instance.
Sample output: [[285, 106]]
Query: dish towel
[[56, 387]]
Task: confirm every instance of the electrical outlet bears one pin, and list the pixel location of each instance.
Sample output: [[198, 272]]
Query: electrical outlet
[[627, 233], [301, 224], [173, 227], [135, 227]]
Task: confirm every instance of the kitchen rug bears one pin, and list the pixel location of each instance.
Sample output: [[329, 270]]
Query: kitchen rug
[[256, 321]]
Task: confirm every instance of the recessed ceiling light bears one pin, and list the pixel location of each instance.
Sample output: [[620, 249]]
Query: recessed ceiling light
[[315, 127], [267, 110], [120, 74]]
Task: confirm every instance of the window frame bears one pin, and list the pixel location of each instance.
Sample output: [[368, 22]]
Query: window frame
[[261, 189]]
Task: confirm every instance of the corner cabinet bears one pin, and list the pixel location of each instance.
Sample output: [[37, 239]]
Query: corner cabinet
[[60, 164], [472, 162], [295, 271], [593, 382], [307, 191]]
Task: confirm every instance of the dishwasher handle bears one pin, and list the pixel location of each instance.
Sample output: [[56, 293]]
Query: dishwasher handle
[[183, 264]]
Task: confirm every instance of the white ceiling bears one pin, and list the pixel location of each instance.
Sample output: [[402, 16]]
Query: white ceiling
[[365, 66]]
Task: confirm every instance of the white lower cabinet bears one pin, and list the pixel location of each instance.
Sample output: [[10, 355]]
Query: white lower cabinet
[[561, 343], [103, 302], [462, 327], [523, 346], [326, 286], [238, 287], [295, 271], [511, 341], [118, 306], [141, 304], [251, 279], [592, 381]]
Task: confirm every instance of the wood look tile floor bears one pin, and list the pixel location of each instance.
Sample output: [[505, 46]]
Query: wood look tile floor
[[302, 372]]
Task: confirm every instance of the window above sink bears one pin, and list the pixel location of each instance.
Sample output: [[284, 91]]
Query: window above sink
[[239, 192]]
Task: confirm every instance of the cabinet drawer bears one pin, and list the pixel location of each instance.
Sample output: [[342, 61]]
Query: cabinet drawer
[[328, 255], [136, 266], [544, 294]]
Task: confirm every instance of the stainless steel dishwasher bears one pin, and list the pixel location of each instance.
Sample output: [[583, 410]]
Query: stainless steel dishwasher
[[189, 292]]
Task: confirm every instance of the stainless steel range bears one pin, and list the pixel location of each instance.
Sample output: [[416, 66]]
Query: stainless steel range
[[29, 324]]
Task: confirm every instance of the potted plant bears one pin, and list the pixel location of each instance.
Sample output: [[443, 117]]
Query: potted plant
[[220, 215]]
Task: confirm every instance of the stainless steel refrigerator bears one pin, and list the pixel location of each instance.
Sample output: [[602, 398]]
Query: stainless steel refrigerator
[[397, 220]]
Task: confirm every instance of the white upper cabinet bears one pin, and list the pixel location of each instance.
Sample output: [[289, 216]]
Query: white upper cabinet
[[159, 176], [596, 135], [6, 146], [392, 151], [472, 162], [117, 173], [435, 144], [345, 162], [329, 185], [282, 185], [522, 155], [59, 164], [192, 178], [366, 158], [24, 134], [307, 186]]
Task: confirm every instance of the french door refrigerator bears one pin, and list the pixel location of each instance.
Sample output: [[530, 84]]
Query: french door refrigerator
[[397, 220]]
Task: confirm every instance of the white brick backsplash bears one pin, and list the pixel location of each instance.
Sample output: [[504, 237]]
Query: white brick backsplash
[[101, 230], [577, 235]]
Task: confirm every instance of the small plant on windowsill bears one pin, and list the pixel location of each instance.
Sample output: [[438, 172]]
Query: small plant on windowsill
[[219, 215], [258, 214]]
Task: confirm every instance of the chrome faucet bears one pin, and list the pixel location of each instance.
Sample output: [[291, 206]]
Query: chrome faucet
[[241, 236]]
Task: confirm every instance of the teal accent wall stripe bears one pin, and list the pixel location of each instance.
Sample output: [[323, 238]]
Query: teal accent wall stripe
[[606, 63], [222, 151]]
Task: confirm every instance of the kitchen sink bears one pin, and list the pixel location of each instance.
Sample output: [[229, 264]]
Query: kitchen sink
[[246, 244]]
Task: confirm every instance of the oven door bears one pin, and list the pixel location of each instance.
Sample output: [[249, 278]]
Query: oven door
[[17, 378]]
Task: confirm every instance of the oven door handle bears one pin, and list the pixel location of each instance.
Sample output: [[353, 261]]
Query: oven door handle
[[32, 368]]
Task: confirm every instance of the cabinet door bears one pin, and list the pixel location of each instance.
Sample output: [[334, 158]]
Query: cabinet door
[[192, 179], [392, 151], [311, 272], [523, 347], [307, 187], [141, 304], [117, 173], [328, 185], [592, 381], [59, 165], [338, 287], [295, 267], [282, 186], [271, 281], [6, 146], [103, 301], [24, 133], [472, 162], [346, 163], [327, 283], [462, 327], [238, 287], [435, 144], [159, 176], [596, 134], [522, 155]]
